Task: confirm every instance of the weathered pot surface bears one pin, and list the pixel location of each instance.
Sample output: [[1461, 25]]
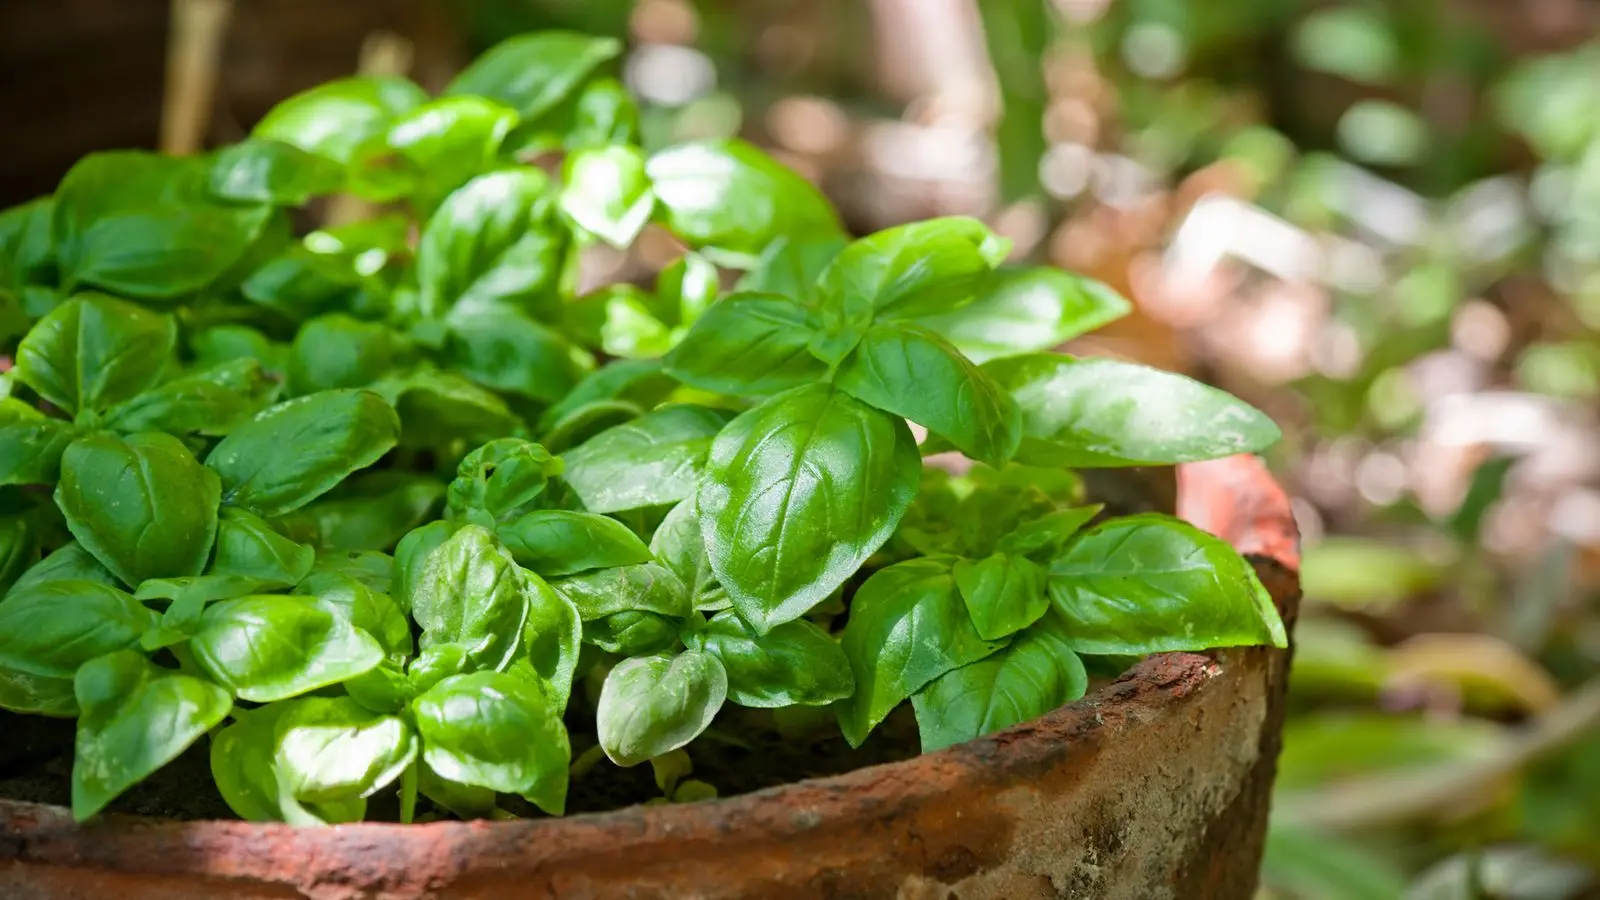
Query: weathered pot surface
[[1155, 787]]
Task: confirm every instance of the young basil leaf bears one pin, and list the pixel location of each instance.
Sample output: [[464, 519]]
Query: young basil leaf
[[492, 240], [792, 267], [31, 444], [607, 192], [241, 763], [556, 542], [37, 695], [798, 493], [338, 351], [333, 433], [651, 461], [603, 114], [234, 343], [749, 344], [633, 632], [19, 548], [1026, 311], [382, 689], [587, 421], [1048, 533], [679, 546], [438, 409], [1036, 674], [1004, 593], [551, 641], [269, 647], [655, 704], [913, 270], [493, 730], [27, 254], [51, 629], [368, 609], [473, 594], [331, 749], [621, 320], [335, 119], [299, 284], [500, 481], [94, 351], [437, 662], [141, 504], [795, 663], [268, 171], [644, 587], [135, 719], [68, 563], [1096, 413], [531, 73], [370, 511], [687, 287], [907, 627], [501, 347], [448, 140], [411, 558], [636, 381], [199, 590], [912, 372], [730, 195], [210, 401], [1151, 583], [247, 545]]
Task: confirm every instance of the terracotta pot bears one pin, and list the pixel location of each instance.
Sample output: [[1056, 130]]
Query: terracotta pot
[[1155, 787]]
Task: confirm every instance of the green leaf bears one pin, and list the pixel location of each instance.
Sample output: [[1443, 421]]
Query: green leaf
[[1096, 413], [637, 381], [655, 704], [493, 730], [268, 171], [331, 749], [1004, 593], [51, 629], [1048, 533], [19, 548], [31, 444], [651, 461], [620, 320], [332, 433], [730, 195], [687, 287], [798, 493], [438, 409], [556, 542], [907, 627], [1037, 673], [502, 348], [633, 633], [27, 255], [37, 695], [93, 352], [500, 481], [587, 421], [603, 113], [411, 557], [473, 594], [644, 587], [912, 372], [141, 504], [247, 545], [448, 140], [269, 647], [792, 267], [210, 401], [607, 192], [493, 240], [339, 351], [69, 563], [371, 510], [748, 344], [796, 663], [233, 343], [1025, 311], [300, 284], [367, 607], [1150, 583], [335, 119], [241, 763], [189, 596], [135, 719], [532, 73], [679, 546], [551, 641]]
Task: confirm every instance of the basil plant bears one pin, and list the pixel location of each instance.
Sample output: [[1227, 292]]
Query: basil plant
[[397, 505]]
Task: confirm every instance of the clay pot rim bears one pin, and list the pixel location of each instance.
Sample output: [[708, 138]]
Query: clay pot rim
[[1235, 498]]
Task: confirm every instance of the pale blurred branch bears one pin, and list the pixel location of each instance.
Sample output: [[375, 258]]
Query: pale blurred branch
[[193, 49]]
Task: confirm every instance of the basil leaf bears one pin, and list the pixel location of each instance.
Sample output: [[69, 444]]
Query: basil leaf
[[233, 343], [532, 73], [141, 504], [135, 719], [93, 351], [798, 493], [269, 647], [1151, 583], [446, 141], [198, 590], [1003, 593], [679, 546], [502, 348], [748, 344], [914, 373], [438, 409], [912, 270], [651, 461], [370, 510], [37, 695], [795, 663], [339, 351], [1095, 413], [638, 381], [493, 240], [241, 763], [333, 433], [267, 171], [607, 192], [655, 704], [587, 421], [19, 548], [68, 563], [473, 594], [52, 629], [603, 113], [335, 119], [27, 255], [1049, 532], [730, 195], [31, 444], [330, 749], [645, 587], [299, 284], [493, 730], [907, 627], [621, 320], [500, 481], [411, 558], [1036, 674], [382, 689], [687, 287], [555, 542], [633, 633], [247, 545], [791, 267], [368, 609], [1025, 311], [551, 641], [210, 401]]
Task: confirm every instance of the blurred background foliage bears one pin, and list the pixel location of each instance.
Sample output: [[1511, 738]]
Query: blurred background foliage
[[1379, 220]]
